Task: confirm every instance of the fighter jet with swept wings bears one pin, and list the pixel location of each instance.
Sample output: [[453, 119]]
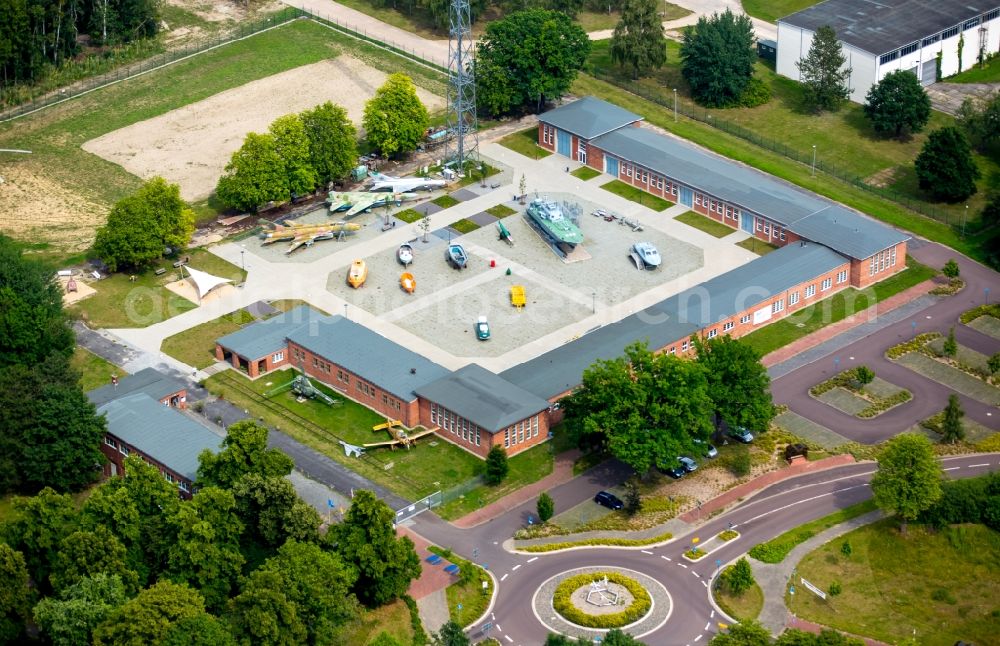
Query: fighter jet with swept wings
[[359, 201], [387, 183], [306, 234]]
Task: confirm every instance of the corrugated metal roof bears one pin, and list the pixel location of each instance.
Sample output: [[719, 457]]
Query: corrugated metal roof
[[886, 25], [374, 358], [266, 337], [161, 432], [148, 380], [478, 395], [589, 117], [677, 317]]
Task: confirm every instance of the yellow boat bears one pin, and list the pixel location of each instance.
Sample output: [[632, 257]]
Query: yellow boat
[[407, 282], [517, 296], [357, 274]]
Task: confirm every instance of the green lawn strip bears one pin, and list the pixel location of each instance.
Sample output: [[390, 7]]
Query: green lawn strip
[[196, 346], [622, 189], [445, 201], [526, 143], [464, 225], [655, 510], [881, 388], [967, 356], [585, 173], [365, 626], [500, 211], [474, 176], [844, 400], [743, 606], [525, 468], [897, 587], [468, 591], [974, 431], [776, 549], [835, 308], [987, 73], [771, 10], [94, 371], [409, 216], [759, 247], [780, 166], [989, 325], [705, 223], [597, 542], [809, 430], [428, 466], [951, 377]]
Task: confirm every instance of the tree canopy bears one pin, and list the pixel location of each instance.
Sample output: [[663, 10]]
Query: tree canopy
[[395, 120], [527, 58], [292, 145], [646, 409], [333, 146], [908, 479], [85, 554], [497, 467], [738, 383], [823, 73], [147, 618], [980, 120], [244, 451], [898, 105], [952, 429], [263, 614], [70, 618], [945, 167], [254, 176], [15, 595], [638, 41], [717, 58]]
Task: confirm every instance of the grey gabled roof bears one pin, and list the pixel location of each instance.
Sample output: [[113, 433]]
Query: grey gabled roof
[[677, 317], [478, 395], [148, 380], [826, 222], [266, 337], [161, 432], [589, 117], [369, 355], [886, 25]]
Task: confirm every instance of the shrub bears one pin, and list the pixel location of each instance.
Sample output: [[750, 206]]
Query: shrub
[[968, 316], [419, 636], [940, 594], [951, 269], [882, 405], [846, 549], [950, 348], [756, 93], [738, 577], [740, 462], [633, 500], [695, 553], [496, 466], [598, 542], [546, 507], [835, 589], [728, 535], [563, 604], [914, 344]]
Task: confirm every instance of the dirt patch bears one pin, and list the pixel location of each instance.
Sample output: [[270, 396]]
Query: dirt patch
[[190, 146], [883, 178]]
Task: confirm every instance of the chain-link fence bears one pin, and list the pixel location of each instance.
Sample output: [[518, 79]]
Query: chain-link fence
[[460, 490]]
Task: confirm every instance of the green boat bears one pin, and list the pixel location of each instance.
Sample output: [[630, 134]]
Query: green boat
[[550, 218]]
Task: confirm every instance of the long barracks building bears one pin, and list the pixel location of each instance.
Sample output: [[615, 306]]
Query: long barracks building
[[824, 248]]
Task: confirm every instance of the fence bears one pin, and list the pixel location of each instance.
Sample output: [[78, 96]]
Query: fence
[[242, 31], [701, 115], [420, 506], [461, 489]]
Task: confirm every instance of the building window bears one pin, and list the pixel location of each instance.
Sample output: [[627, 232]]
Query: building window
[[124, 450], [969, 24], [110, 442], [778, 306], [169, 478], [909, 49], [534, 426], [793, 298], [277, 356], [842, 277], [885, 58], [745, 319], [506, 438], [673, 189], [673, 350], [827, 284], [684, 346], [782, 234], [728, 325], [628, 170], [760, 224], [477, 436], [948, 33], [992, 15], [810, 291], [930, 41], [183, 486], [697, 199], [713, 333]]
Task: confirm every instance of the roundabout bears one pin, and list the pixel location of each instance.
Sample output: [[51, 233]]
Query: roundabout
[[589, 601]]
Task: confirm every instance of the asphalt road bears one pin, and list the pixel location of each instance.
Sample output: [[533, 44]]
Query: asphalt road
[[693, 619]]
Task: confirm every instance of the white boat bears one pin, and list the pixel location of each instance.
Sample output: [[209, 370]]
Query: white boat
[[647, 253], [404, 254]]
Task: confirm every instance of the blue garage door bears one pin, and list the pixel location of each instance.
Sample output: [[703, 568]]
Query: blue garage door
[[563, 143], [611, 165], [746, 222], [687, 196]]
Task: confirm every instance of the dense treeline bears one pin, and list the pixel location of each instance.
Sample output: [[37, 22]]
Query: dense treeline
[[972, 500], [35, 34], [436, 11]]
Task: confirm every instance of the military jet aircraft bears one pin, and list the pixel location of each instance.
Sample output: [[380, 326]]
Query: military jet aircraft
[[387, 183], [359, 201], [307, 234]]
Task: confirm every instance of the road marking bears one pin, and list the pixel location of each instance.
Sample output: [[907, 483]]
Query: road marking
[[532, 559], [951, 468], [504, 576], [683, 566], [493, 616], [697, 638], [704, 584], [712, 616], [514, 569], [665, 557], [499, 629], [707, 625], [645, 551], [822, 495], [973, 466], [696, 574], [507, 637]]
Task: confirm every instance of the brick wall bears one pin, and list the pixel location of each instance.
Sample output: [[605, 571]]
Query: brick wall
[[541, 140], [116, 457], [254, 368], [595, 157], [861, 270], [463, 434]]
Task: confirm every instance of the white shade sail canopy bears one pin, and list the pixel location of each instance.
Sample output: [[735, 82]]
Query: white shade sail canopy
[[204, 282]]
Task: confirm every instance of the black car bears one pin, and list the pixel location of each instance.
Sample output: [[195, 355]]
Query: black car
[[741, 434], [676, 473], [609, 500]]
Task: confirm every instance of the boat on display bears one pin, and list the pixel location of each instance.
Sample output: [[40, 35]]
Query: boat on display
[[357, 274], [647, 254], [404, 254], [549, 217], [407, 282], [455, 254], [504, 233]]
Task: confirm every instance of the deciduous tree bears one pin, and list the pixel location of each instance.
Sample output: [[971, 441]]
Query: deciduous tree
[[395, 120], [262, 613], [272, 512], [546, 507], [898, 105], [717, 58], [951, 269], [199, 630], [945, 167], [950, 347], [37, 527], [638, 41], [823, 73], [254, 176], [70, 618], [747, 632], [15, 594], [147, 618], [864, 375], [450, 634], [292, 145], [993, 363], [333, 146], [85, 554], [738, 383], [980, 120], [908, 479], [244, 451], [952, 429], [496, 465], [739, 577]]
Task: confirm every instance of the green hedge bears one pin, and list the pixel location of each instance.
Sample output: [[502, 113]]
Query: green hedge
[[728, 535], [914, 344], [992, 309], [882, 405], [613, 542], [563, 603]]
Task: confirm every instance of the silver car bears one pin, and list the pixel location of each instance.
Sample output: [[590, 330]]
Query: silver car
[[689, 465]]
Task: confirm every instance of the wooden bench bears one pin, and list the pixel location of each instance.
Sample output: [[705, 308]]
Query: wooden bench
[[160, 271]]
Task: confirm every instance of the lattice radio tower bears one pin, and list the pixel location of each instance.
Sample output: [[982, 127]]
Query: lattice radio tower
[[464, 143]]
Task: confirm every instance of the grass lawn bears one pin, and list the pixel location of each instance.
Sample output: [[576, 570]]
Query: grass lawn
[[470, 594], [759, 247], [989, 325], [94, 371], [526, 467], [813, 433], [744, 606], [622, 189], [924, 585], [771, 10], [120, 302], [464, 225], [445, 201], [500, 211], [526, 143], [835, 308], [393, 618], [988, 73], [409, 216], [431, 464], [196, 346], [776, 549], [705, 223], [585, 173], [956, 379]]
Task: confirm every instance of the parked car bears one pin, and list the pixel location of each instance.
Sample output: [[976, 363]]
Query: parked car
[[676, 473], [609, 500], [482, 328], [741, 434], [688, 464], [707, 450]]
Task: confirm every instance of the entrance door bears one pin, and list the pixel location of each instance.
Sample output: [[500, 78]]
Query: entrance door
[[581, 152], [687, 196], [746, 222], [611, 165], [564, 144]]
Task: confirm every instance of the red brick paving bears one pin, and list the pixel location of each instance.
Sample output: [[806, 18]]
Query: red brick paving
[[810, 627], [432, 577]]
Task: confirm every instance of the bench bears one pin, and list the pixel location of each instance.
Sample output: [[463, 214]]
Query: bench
[[433, 559], [452, 569], [160, 271]]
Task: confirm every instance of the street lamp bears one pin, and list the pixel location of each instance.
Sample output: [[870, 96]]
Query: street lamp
[[965, 216], [814, 161], [243, 260], [345, 310], [675, 105], [593, 302]]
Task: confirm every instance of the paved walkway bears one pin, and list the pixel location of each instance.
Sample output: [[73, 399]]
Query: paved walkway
[[428, 589], [948, 97]]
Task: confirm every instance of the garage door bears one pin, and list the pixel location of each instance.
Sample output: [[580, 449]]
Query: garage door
[[563, 143], [611, 165], [928, 72]]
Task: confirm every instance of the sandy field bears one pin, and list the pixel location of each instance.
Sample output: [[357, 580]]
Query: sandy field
[[83, 290], [185, 289], [190, 146]]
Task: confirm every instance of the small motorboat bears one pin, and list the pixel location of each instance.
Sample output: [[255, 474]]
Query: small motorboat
[[407, 282], [456, 255], [404, 254], [647, 254], [357, 274]]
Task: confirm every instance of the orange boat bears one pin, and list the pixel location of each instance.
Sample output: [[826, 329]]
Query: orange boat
[[407, 282], [358, 273]]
